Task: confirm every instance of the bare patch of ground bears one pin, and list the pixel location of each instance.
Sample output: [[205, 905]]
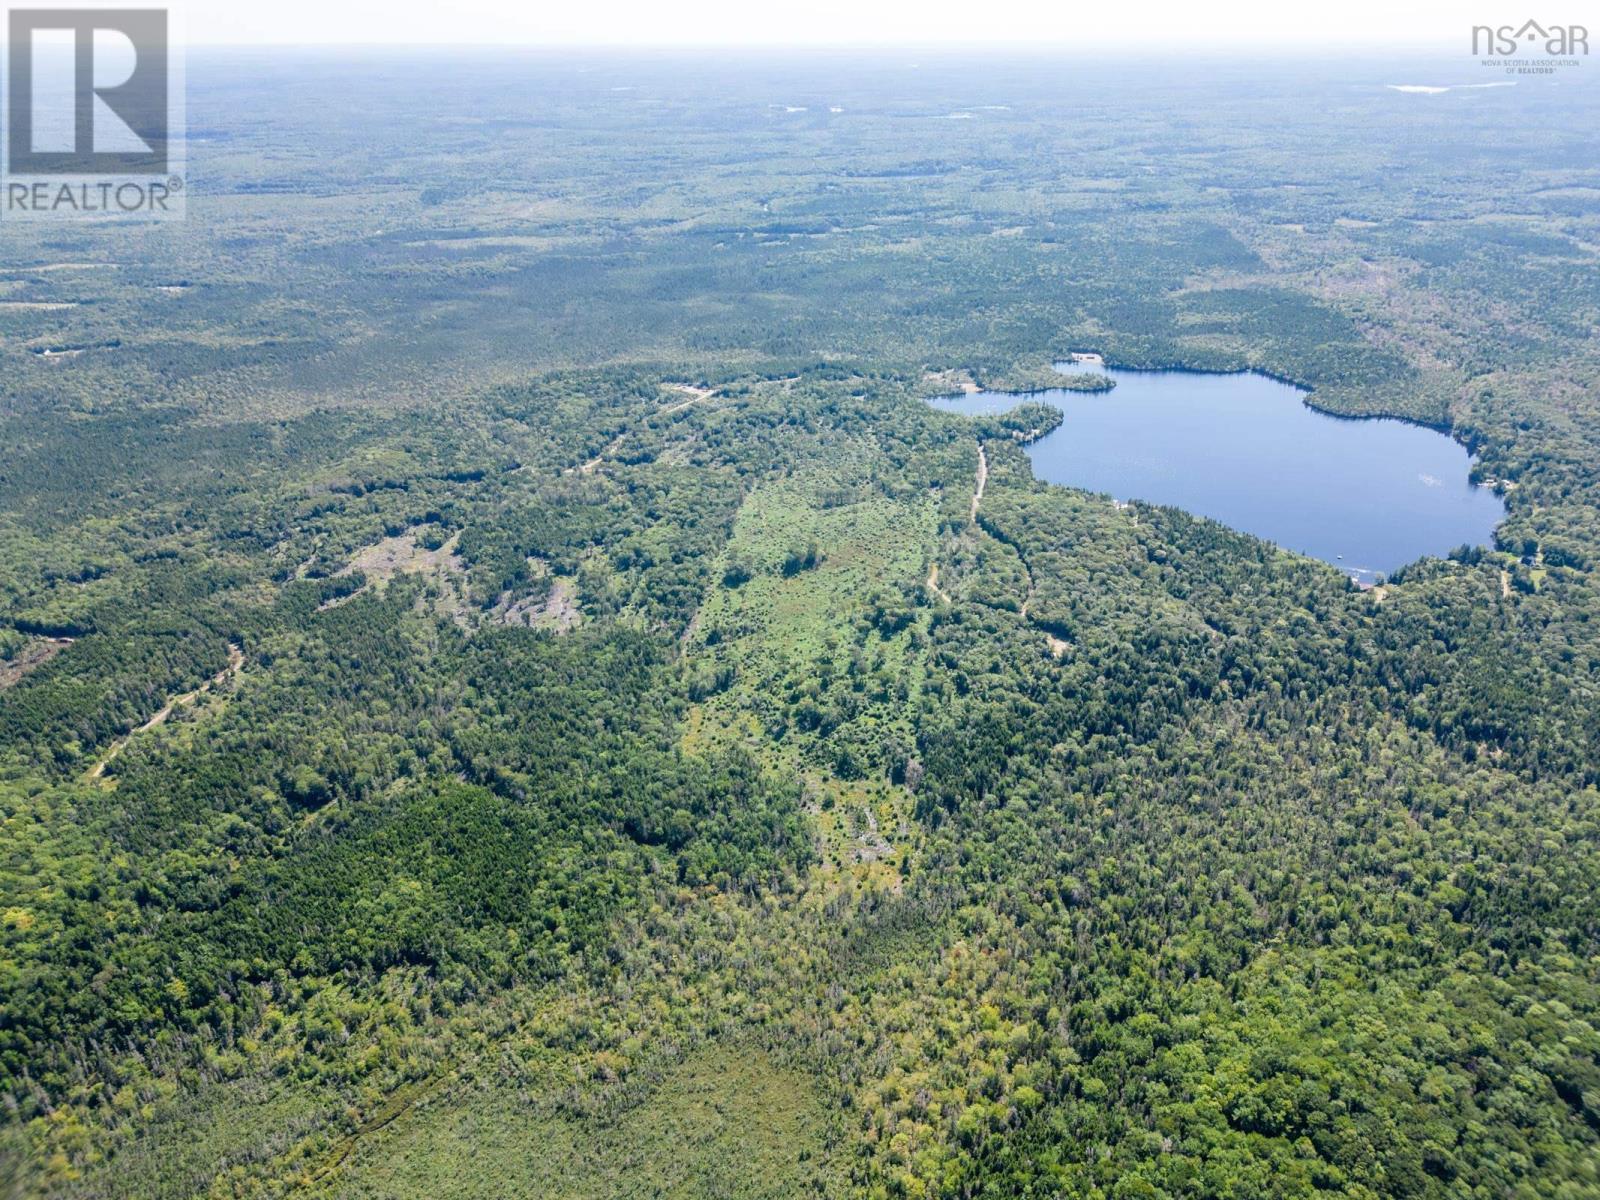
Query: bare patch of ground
[[37, 305], [402, 555], [951, 382], [34, 655], [558, 610], [871, 845], [1058, 648], [690, 389]]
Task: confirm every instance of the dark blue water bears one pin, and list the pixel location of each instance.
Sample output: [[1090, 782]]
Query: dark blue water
[[1367, 496]]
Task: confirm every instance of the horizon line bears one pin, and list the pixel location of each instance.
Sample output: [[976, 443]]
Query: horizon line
[[1034, 47]]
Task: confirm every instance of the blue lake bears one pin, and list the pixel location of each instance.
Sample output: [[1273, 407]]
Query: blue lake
[[1366, 495]]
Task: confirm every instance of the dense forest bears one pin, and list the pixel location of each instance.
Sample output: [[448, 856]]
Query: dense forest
[[507, 687]]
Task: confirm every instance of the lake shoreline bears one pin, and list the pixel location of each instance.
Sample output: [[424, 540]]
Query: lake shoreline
[[1365, 493]]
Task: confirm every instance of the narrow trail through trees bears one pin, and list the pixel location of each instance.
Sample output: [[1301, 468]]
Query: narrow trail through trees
[[1056, 646], [235, 661]]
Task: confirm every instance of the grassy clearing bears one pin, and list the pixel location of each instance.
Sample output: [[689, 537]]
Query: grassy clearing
[[863, 830], [213, 1144], [793, 618], [798, 610], [725, 1123]]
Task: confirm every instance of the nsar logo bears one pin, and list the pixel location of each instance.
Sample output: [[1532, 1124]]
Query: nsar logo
[[1505, 40]]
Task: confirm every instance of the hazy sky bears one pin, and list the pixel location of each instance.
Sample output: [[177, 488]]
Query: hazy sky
[[1376, 25]]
